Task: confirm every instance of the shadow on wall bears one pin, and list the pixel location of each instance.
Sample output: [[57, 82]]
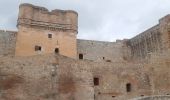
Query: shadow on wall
[[9, 84]]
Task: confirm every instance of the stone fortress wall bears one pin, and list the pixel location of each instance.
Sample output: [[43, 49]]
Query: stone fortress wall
[[40, 23], [31, 15], [145, 43], [99, 71], [103, 51], [54, 77], [50, 31], [7, 43], [153, 40]]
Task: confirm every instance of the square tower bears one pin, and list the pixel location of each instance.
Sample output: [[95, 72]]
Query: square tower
[[42, 32]]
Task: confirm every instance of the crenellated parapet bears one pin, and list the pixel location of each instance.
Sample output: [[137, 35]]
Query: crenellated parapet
[[40, 17], [51, 31]]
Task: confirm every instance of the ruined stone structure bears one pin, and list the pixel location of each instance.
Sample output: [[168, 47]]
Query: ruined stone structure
[[44, 60], [48, 31], [154, 40]]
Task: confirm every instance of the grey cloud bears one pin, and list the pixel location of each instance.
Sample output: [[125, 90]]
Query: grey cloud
[[105, 20]]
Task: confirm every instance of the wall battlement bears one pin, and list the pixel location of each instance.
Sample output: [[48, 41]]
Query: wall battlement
[[52, 31], [35, 16]]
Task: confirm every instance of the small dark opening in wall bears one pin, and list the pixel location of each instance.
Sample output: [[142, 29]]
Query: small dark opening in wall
[[128, 87], [167, 94], [96, 81], [103, 58], [80, 56], [56, 50], [108, 60], [49, 35], [37, 48], [141, 95], [113, 96]]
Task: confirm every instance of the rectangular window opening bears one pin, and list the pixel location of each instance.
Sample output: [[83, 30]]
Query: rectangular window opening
[[56, 50], [80, 56], [128, 87], [96, 81], [49, 35], [38, 48]]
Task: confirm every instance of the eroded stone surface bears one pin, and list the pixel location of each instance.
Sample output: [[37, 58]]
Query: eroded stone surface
[[125, 69]]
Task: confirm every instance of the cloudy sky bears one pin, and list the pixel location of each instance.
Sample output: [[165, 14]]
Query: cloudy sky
[[105, 20]]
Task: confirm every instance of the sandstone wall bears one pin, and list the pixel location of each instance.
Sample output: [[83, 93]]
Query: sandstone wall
[[103, 51], [47, 77], [31, 15], [165, 30], [146, 43], [28, 78], [56, 77], [7, 43], [75, 80], [52, 77], [36, 23], [158, 69], [28, 38], [113, 78], [153, 40]]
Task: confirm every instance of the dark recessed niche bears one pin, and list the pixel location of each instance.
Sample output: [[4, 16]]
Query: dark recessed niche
[[80, 56], [38, 48], [108, 61], [128, 87], [96, 81], [56, 50], [49, 35]]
